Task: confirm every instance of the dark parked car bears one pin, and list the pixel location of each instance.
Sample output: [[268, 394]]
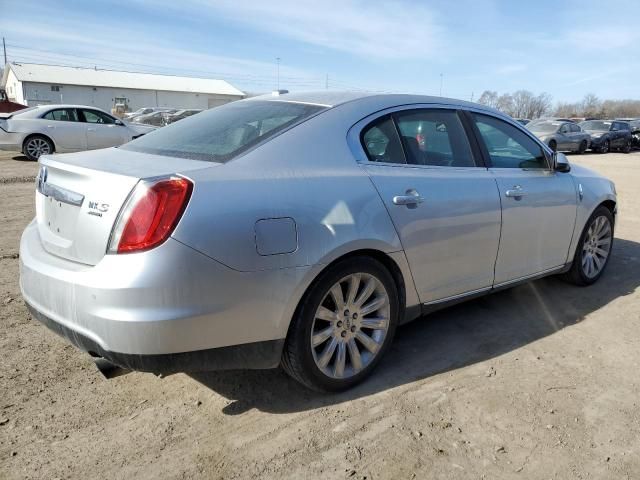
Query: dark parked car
[[562, 136], [179, 115], [523, 121], [156, 118], [608, 134], [634, 123]]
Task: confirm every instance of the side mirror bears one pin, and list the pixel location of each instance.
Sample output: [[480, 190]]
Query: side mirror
[[560, 162], [119, 122]]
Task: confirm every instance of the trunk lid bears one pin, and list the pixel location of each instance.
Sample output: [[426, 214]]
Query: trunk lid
[[79, 196]]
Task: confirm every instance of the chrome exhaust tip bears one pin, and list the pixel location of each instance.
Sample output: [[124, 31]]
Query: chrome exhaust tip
[[108, 369]]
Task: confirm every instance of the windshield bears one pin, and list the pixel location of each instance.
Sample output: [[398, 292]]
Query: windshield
[[222, 133], [545, 127], [595, 125]]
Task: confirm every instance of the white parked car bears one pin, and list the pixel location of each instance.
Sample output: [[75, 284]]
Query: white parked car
[[64, 128]]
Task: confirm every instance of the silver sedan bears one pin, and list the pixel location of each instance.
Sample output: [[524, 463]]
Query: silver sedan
[[64, 128], [300, 230]]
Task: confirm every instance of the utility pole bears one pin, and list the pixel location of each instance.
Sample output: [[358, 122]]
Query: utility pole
[[440, 84], [278, 73], [472, 96], [4, 47]]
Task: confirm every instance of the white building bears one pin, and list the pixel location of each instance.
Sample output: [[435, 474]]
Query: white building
[[35, 84]]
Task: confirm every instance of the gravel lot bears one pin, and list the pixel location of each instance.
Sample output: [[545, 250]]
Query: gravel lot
[[540, 381]]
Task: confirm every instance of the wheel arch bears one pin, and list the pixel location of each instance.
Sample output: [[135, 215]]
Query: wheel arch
[[610, 204], [38, 134], [396, 267]]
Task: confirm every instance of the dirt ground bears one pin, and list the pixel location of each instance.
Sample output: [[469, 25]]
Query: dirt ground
[[537, 382]]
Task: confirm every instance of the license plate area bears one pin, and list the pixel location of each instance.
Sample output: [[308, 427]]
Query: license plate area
[[60, 218]]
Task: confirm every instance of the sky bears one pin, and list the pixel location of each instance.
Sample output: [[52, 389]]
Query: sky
[[457, 48]]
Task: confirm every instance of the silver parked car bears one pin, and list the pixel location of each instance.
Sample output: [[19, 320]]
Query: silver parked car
[[64, 128], [300, 231], [562, 136]]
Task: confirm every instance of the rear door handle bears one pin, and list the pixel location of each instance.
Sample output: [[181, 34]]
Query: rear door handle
[[91, 129], [515, 192], [411, 198]]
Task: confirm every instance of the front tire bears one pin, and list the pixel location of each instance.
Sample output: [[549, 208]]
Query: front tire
[[627, 147], [35, 146], [605, 147], [343, 326], [593, 250]]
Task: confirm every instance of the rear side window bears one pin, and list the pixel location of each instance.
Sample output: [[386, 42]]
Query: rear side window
[[62, 115], [434, 137], [381, 142], [222, 133], [508, 146]]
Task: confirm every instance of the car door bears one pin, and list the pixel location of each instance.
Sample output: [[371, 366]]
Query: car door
[[564, 137], [577, 135], [67, 133], [538, 204], [619, 133], [102, 131], [441, 199]]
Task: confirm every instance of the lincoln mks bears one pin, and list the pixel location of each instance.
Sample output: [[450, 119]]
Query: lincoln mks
[[300, 230]]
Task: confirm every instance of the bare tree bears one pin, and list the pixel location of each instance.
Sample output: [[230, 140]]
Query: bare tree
[[591, 106], [489, 98], [540, 105], [505, 104], [567, 110]]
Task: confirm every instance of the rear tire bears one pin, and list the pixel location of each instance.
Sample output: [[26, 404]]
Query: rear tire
[[583, 147], [35, 146], [627, 147], [319, 351], [596, 238]]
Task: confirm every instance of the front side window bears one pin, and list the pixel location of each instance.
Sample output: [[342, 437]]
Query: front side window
[[434, 137], [62, 115], [94, 116], [509, 147], [575, 128], [565, 128], [222, 133], [381, 142]]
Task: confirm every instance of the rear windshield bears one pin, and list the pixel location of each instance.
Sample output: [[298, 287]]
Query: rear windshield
[[219, 134]]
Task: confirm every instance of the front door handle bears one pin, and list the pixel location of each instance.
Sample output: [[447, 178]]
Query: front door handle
[[411, 198], [515, 192], [91, 129]]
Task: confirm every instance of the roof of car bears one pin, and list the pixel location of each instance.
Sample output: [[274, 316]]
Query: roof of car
[[330, 98]]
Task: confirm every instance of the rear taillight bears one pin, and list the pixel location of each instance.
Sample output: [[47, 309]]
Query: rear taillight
[[150, 214]]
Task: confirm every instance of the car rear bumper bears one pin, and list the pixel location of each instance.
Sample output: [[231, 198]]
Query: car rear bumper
[[254, 355], [164, 310], [10, 141]]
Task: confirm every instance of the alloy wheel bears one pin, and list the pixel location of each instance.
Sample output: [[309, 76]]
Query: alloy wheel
[[38, 146], [350, 325], [596, 246]]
